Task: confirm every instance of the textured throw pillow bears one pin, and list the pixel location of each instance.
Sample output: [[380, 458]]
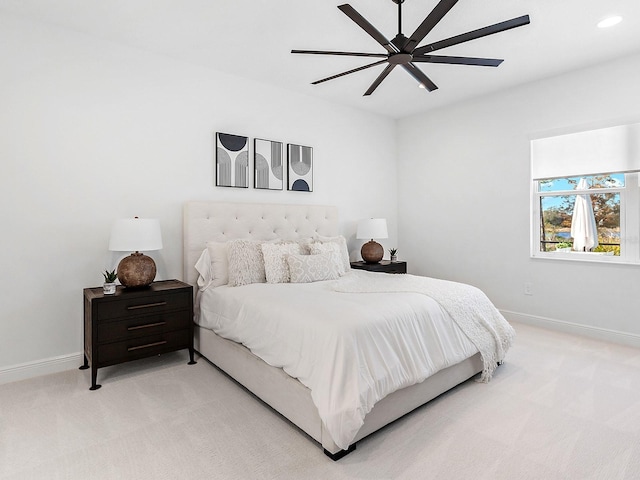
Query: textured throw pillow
[[342, 243], [275, 260], [246, 264], [312, 268], [334, 249], [305, 245]]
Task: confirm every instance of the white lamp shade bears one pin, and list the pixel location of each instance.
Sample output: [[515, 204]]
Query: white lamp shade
[[135, 235], [371, 228]]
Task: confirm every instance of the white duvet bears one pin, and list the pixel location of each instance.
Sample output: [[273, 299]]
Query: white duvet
[[349, 349]]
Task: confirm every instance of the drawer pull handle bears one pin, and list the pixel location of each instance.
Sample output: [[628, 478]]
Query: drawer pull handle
[[131, 349], [148, 325], [136, 307]]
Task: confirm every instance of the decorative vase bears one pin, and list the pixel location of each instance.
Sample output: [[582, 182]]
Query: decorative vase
[[136, 270], [109, 288], [394, 258]]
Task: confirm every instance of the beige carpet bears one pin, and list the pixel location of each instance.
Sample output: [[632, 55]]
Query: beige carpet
[[561, 407]]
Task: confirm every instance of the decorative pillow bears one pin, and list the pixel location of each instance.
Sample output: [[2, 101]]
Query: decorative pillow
[[312, 268], [213, 266], [203, 267], [219, 256], [342, 243], [275, 260], [329, 247], [246, 264], [305, 245]]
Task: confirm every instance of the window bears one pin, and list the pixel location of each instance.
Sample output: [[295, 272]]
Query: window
[[579, 213]]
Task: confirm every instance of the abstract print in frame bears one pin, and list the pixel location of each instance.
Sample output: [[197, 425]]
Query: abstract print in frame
[[232, 160], [300, 169], [268, 159]]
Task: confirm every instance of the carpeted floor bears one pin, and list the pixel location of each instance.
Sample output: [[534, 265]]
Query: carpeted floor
[[561, 407]]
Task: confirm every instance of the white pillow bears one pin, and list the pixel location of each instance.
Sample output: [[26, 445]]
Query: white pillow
[[312, 268], [342, 243], [203, 267], [219, 256], [329, 247], [275, 260], [213, 266], [246, 264]]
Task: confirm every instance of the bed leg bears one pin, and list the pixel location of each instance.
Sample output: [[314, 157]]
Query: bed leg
[[339, 454]]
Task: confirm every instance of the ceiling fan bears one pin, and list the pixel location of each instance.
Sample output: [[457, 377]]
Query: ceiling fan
[[405, 51]]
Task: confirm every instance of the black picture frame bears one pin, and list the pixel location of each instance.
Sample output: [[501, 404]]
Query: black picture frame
[[299, 168], [232, 160], [268, 164]]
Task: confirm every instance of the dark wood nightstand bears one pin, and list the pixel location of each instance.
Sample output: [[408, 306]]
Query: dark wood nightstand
[[136, 323], [383, 266]]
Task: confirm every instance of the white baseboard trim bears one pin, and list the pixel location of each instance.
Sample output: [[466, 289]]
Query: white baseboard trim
[[27, 370], [607, 335]]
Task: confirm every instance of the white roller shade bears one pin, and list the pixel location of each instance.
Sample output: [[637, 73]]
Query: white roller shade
[[606, 150]]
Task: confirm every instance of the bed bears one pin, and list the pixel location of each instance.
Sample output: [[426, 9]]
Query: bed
[[224, 222]]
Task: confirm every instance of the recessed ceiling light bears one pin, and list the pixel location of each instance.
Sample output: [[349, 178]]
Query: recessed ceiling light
[[421, 85], [609, 22]]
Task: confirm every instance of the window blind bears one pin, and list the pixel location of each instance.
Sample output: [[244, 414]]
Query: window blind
[[592, 152]]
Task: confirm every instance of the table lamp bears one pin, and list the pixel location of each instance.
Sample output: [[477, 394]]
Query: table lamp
[[371, 228], [136, 234]]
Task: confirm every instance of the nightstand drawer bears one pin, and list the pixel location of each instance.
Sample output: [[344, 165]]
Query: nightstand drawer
[[112, 353], [143, 305], [142, 326], [384, 266], [395, 267]]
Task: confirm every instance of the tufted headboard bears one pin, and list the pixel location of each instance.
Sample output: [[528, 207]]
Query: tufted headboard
[[218, 221]]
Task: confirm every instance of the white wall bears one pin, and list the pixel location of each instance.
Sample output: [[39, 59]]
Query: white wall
[[464, 198], [91, 131]]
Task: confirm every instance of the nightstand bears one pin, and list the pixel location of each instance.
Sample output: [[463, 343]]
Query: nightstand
[[383, 266], [136, 323]]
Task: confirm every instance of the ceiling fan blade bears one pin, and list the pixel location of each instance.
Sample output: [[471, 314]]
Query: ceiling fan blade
[[419, 75], [362, 22], [479, 33], [379, 80], [482, 62], [428, 23], [350, 54], [348, 72]]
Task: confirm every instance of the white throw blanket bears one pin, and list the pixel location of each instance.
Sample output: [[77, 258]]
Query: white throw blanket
[[469, 307]]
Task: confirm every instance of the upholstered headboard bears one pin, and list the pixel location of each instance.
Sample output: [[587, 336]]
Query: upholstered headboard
[[217, 221]]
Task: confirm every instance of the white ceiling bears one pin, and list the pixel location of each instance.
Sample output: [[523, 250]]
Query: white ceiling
[[253, 38]]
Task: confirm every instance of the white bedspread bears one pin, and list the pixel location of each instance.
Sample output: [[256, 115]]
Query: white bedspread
[[350, 353]]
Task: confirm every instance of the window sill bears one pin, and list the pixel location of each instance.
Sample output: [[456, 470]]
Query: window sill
[[570, 252], [590, 257]]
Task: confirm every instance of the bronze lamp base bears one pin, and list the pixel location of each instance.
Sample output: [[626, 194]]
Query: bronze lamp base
[[136, 270], [372, 252]]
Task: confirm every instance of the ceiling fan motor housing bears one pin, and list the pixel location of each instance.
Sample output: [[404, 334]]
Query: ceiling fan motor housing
[[400, 58]]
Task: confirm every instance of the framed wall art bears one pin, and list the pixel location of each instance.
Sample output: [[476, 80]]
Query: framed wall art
[[232, 160], [268, 164], [300, 168]]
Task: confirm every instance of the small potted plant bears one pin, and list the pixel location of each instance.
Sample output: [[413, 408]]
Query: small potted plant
[[394, 254], [109, 286]]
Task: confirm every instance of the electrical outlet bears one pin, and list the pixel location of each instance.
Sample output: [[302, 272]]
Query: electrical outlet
[[528, 288]]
